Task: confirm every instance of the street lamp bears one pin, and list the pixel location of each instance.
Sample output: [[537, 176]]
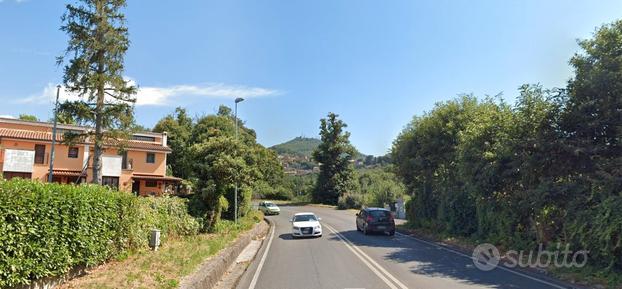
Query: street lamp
[[235, 206], [51, 174]]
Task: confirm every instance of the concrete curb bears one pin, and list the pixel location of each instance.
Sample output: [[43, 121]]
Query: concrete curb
[[212, 270]]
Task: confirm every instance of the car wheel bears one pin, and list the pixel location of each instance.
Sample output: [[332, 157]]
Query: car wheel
[[392, 233]]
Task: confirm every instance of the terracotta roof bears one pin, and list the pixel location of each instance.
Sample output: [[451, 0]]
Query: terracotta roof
[[28, 134], [47, 136], [68, 173], [155, 177]]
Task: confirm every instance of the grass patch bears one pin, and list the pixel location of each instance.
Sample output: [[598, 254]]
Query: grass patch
[[164, 269]]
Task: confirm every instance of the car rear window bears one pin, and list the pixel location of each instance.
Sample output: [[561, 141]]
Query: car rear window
[[380, 214]]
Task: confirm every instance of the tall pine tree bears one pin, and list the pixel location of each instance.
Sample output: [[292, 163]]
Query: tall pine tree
[[98, 41]]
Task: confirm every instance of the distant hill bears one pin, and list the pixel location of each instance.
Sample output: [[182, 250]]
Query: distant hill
[[303, 146], [300, 146], [296, 156]]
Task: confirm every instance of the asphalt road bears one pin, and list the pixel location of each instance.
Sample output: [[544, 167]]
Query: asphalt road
[[345, 258]]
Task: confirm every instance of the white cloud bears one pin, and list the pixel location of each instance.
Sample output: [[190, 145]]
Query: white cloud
[[153, 95]]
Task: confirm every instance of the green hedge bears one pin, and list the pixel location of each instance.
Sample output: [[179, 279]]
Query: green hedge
[[46, 229]]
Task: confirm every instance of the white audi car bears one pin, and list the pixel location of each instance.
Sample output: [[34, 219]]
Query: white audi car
[[306, 225]]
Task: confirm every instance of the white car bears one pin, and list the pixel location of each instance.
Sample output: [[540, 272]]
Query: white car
[[306, 225], [269, 208]]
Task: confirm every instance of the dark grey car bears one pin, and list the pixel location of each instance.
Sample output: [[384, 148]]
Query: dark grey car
[[375, 220]]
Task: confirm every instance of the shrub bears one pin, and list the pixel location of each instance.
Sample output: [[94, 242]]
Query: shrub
[[350, 201], [168, 214], [46, 229]]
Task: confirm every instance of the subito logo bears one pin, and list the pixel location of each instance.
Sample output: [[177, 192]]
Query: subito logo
[[486, 257]]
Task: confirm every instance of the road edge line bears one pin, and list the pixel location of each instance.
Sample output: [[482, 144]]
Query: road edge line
[[369, 265], [263, 259]]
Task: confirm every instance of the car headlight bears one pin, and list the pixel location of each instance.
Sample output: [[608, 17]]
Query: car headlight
[[317, 227], [294, 228]]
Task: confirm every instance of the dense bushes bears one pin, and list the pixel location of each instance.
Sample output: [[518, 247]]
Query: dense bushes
[[544, 170], [46, 229], [350, 201]]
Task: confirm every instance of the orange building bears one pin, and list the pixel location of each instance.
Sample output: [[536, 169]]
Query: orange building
[[140, 167]]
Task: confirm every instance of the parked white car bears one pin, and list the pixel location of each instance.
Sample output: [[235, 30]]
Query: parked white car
[[306, 225]]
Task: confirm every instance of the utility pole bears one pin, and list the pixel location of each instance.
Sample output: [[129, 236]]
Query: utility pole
[[235, 209], [51, 174]]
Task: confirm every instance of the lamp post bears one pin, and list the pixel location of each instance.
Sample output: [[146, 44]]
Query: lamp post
[[235, 206], [51, 174]]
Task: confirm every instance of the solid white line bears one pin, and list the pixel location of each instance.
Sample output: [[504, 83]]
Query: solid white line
[[263, 259], [348, 242], [471, 258], [370, 266]]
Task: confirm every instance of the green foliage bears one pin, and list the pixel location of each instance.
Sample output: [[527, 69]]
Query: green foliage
[[378, 187], [544, 170], [46, 229], [263, 190], [600, 229], [334, 155], [207, 152], [179, 129], [28, 117], [350, 201], [301, 146], [98, 40]]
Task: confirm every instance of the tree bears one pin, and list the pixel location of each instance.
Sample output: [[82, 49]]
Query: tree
[[98, 40], [334, 155], [592, 119], [179, 128], [28, 117], [64, 117]]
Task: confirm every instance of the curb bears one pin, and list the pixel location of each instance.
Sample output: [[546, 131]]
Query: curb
[[212, 270], [266, 233]]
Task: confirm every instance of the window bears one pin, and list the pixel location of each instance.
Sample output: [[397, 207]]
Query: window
[[73, 152], [143, 138], [304, 218], [124, 164], [10, 175], [112, 182], [150, 158], [39, 154], [151, 184]]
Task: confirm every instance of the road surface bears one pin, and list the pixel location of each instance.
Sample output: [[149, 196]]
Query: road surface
[[345, 258]]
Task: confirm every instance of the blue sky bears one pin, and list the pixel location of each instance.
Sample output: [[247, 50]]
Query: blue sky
[[376, 63]]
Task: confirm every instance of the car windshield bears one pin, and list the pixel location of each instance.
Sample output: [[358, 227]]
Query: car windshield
[[304, 218], [270, 205]]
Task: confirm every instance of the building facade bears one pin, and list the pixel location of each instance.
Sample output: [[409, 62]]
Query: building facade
[[136, 165]]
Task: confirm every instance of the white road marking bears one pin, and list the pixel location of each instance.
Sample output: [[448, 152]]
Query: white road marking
[[368, 261], [471, 258], [263, 259]]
